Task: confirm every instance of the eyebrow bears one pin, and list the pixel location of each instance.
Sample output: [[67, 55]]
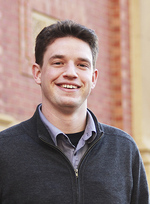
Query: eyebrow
[[57, 56], [84, 59]]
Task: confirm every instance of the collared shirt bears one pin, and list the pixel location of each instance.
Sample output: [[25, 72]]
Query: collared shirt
[[63, 142]]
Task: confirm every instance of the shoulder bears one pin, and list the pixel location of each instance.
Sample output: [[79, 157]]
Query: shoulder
[[116, 134], [117, 141], [25, 127], [26, 130], [17, 137], [12, 132], [111, 133]]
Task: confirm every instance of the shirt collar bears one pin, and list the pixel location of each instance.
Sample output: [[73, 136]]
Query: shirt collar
[[89, 133]]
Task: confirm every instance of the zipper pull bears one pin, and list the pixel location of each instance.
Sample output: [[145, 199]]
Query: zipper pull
[[76, 172]]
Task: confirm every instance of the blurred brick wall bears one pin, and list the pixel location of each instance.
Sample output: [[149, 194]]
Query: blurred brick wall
[[19, 94]]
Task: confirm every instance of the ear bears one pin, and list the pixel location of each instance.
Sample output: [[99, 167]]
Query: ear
[[36, 71], [94, 78]]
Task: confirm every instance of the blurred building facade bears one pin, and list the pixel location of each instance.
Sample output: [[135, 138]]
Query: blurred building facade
[[122, 95]]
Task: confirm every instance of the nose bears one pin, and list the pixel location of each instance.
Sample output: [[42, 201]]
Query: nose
[[70, 71]]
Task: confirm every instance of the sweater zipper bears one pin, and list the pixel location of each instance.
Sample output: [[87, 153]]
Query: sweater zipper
[[76, 173], [77, 170], [57, 149]]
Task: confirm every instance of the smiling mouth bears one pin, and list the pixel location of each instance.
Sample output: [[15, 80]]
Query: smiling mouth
[[67, 86]]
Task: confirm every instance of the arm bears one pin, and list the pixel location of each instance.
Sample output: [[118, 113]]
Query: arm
[[140, 192]]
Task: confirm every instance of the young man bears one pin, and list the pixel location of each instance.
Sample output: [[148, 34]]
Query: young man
[[63, 154]]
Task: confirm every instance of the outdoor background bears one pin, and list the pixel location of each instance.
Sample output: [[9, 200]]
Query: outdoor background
[[122, 95]]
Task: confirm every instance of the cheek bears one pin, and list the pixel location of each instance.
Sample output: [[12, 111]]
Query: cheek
[[53, 74], [87, 78], [47, 76], [87, 81]]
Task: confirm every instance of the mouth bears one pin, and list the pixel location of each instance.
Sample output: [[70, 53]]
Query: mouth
[[69, 86]]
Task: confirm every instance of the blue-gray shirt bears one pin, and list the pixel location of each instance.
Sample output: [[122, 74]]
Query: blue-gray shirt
[[73, 153]]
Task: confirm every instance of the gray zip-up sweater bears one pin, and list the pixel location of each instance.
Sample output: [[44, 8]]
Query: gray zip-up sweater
[[34, 171]]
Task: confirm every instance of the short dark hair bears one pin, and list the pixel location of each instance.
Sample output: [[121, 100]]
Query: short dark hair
[[64, 29]]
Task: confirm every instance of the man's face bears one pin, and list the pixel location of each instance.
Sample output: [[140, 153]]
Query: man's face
[[67, 74]]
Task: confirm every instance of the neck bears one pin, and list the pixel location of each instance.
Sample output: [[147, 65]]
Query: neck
[[67, 122]]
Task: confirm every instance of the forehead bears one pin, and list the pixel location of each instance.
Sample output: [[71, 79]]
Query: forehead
[[69, 46]]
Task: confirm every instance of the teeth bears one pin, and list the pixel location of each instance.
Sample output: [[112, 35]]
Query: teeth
[[69, 86]]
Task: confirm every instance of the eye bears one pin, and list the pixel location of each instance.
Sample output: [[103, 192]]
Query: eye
[[83, 65], [58, 63]]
